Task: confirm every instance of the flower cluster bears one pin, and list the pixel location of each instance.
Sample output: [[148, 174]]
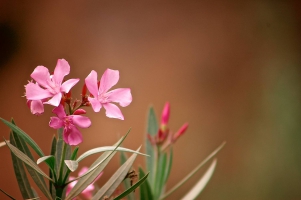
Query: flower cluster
[[165, 137], [46, 88]]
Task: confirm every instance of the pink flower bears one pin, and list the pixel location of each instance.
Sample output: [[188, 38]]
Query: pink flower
[[101, 96], [180, 132], [71, 134], [50, 86], [88, 192]]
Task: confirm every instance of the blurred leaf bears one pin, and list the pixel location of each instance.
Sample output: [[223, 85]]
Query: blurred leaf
[[168, 166], [152, 129], [26, 160], [159, 184], [145, 190], [102, 149], [26, 137], [94, 170], [126, 182], [58, 151], [50, 160], [3, 143], [188, 176], [38, 178], [132, 188], [9, 196], [200, 185], [51, 175], [20, 173], [116, 179]]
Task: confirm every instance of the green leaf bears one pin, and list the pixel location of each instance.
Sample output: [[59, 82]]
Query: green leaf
[[168, 166], [159, 184], [59, 150], [129, 190], [50, 160], [188, 176], [94, 170], [71, 164], [51, 175], [7, 194], [126, 182], [152, 129], [145, 190], [116, 179], [3, 143], [26, 160], [38, 178], [103, 149], [20, 173], [200, 185], [26, 137]]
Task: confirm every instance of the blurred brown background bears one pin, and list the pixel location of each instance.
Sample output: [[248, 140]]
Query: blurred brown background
[[231, 69]]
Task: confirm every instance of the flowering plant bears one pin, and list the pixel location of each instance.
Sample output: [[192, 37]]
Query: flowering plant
[[53, 90]]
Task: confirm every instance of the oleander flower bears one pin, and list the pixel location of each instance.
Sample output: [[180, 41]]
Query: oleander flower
[[88, 192], [103, 98], [71, 134], [36, 106], [50, 87]]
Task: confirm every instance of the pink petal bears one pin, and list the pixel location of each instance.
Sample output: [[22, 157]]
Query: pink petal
[[56, 123], [108, 80], [113, 111], [82, 171], [36, 107], [59, 111], [81, 121], [41, 75], [67, 85], [96, 105], [61, 70], [122, 96], [35, 92], [55, 100], [72, 136], [91, 83]]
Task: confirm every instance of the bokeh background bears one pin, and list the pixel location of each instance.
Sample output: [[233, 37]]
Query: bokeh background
[[229, 68]]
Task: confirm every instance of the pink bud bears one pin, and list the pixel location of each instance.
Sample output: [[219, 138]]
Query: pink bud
[[79, 112], [165, 114], [180, 132]]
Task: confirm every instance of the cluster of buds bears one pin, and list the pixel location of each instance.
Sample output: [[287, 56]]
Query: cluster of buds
[[165, 137]]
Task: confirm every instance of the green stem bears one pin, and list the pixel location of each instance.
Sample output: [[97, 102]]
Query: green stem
[[157, 156], [62, 162]]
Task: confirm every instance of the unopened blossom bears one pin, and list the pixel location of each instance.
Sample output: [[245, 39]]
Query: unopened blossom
[[165, 114], [88, 192], [50, 87], [71, 134], [104, 98], [180, 132]]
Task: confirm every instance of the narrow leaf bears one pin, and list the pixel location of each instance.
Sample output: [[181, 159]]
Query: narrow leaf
[[116, 179], [26, 137], [7, 194], [94, 170], [188, 176], [51, 175], [152, 129], [168, 166], [126, 182], [26, 160], [145, 190], [20, 173], [131, 189], [103, 149], [38, 178], [200, 185], [159, 184], [71, 164]]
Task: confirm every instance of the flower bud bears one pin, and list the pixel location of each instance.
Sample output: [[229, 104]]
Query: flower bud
[[79, 112], [165, 114], [180, 132]]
